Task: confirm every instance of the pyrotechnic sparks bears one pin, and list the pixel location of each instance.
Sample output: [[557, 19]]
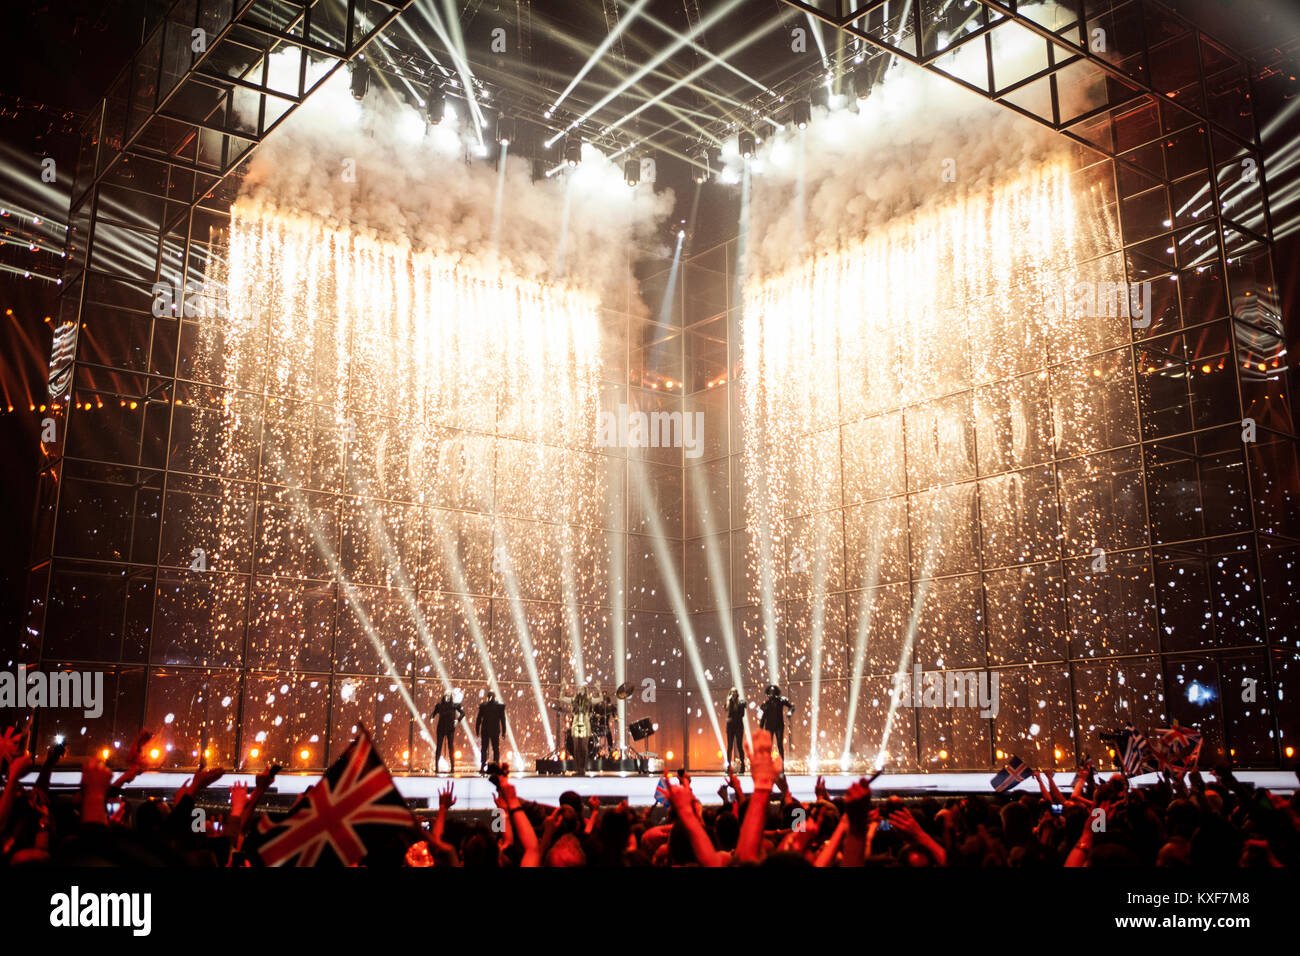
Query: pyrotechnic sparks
[[415, 428], [882, 382]]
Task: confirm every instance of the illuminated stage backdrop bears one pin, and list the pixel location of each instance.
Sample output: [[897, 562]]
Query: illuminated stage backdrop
[[922, 413], [426, 436]]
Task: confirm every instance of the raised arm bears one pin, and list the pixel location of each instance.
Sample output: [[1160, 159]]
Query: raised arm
[[522, 827], [1079, 854], [903, 820], [446, 800], [832, 846], [95, 777], [507, 829], [134, 761], [683, 801], [763, 769], [18, 766], [858, 809]]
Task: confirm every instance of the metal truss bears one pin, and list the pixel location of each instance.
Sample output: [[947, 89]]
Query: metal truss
[[194, 102], [190, 107], [159, 152], [1173, 112], [1119, 57], [1123, 48]]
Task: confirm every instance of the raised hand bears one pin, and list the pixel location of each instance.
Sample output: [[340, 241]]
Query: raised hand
[[265, 778], [10, 744], [551, 824], [445, 798], [20, 765], [858, 803], [819, 789], [681, 798], [763, 767], [205, 777], [95, 777], [135, 756], [903, 820], [95, 780], [238, 798]]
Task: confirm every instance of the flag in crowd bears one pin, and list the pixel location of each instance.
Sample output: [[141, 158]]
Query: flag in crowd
[[1177, 748], [340, 818], [1012, 774], [1136, 757]]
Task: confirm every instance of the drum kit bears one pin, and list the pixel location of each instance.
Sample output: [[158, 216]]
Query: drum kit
[[603, 719]]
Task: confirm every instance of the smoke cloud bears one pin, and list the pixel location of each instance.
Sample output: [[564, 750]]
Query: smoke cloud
[[849, 173], [377, 168]]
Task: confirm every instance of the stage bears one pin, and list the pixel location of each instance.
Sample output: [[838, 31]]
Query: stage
[[475, 792]]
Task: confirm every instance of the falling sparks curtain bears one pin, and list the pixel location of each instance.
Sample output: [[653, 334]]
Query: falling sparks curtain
[[903, 400], [395, 421]]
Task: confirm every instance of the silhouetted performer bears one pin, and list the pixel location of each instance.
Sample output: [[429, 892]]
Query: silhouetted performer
[[580, 727], [773, 718], [736, 727], [609, 709], [490, 724], [447, 714]]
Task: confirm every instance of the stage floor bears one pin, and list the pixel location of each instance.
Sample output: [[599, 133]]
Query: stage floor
[[474, 792]]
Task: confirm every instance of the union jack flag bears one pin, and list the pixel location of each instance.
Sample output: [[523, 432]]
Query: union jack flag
[[332, 822], [661, 792], [1178, 748]]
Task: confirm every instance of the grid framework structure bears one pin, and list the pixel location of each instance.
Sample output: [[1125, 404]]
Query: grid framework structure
[[160, 169], [1206, 633]]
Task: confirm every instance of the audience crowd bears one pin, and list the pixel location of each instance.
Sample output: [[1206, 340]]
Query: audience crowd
[[1177, 822]]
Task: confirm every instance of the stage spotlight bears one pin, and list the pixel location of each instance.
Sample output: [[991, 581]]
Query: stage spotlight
[[435, 105], [632, 171], [702, 168], [573, 151], [801, 113], [747, 145], [360, 79], [505, 129]]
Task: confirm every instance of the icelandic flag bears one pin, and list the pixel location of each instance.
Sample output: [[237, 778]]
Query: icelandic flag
[[1011, 775]]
